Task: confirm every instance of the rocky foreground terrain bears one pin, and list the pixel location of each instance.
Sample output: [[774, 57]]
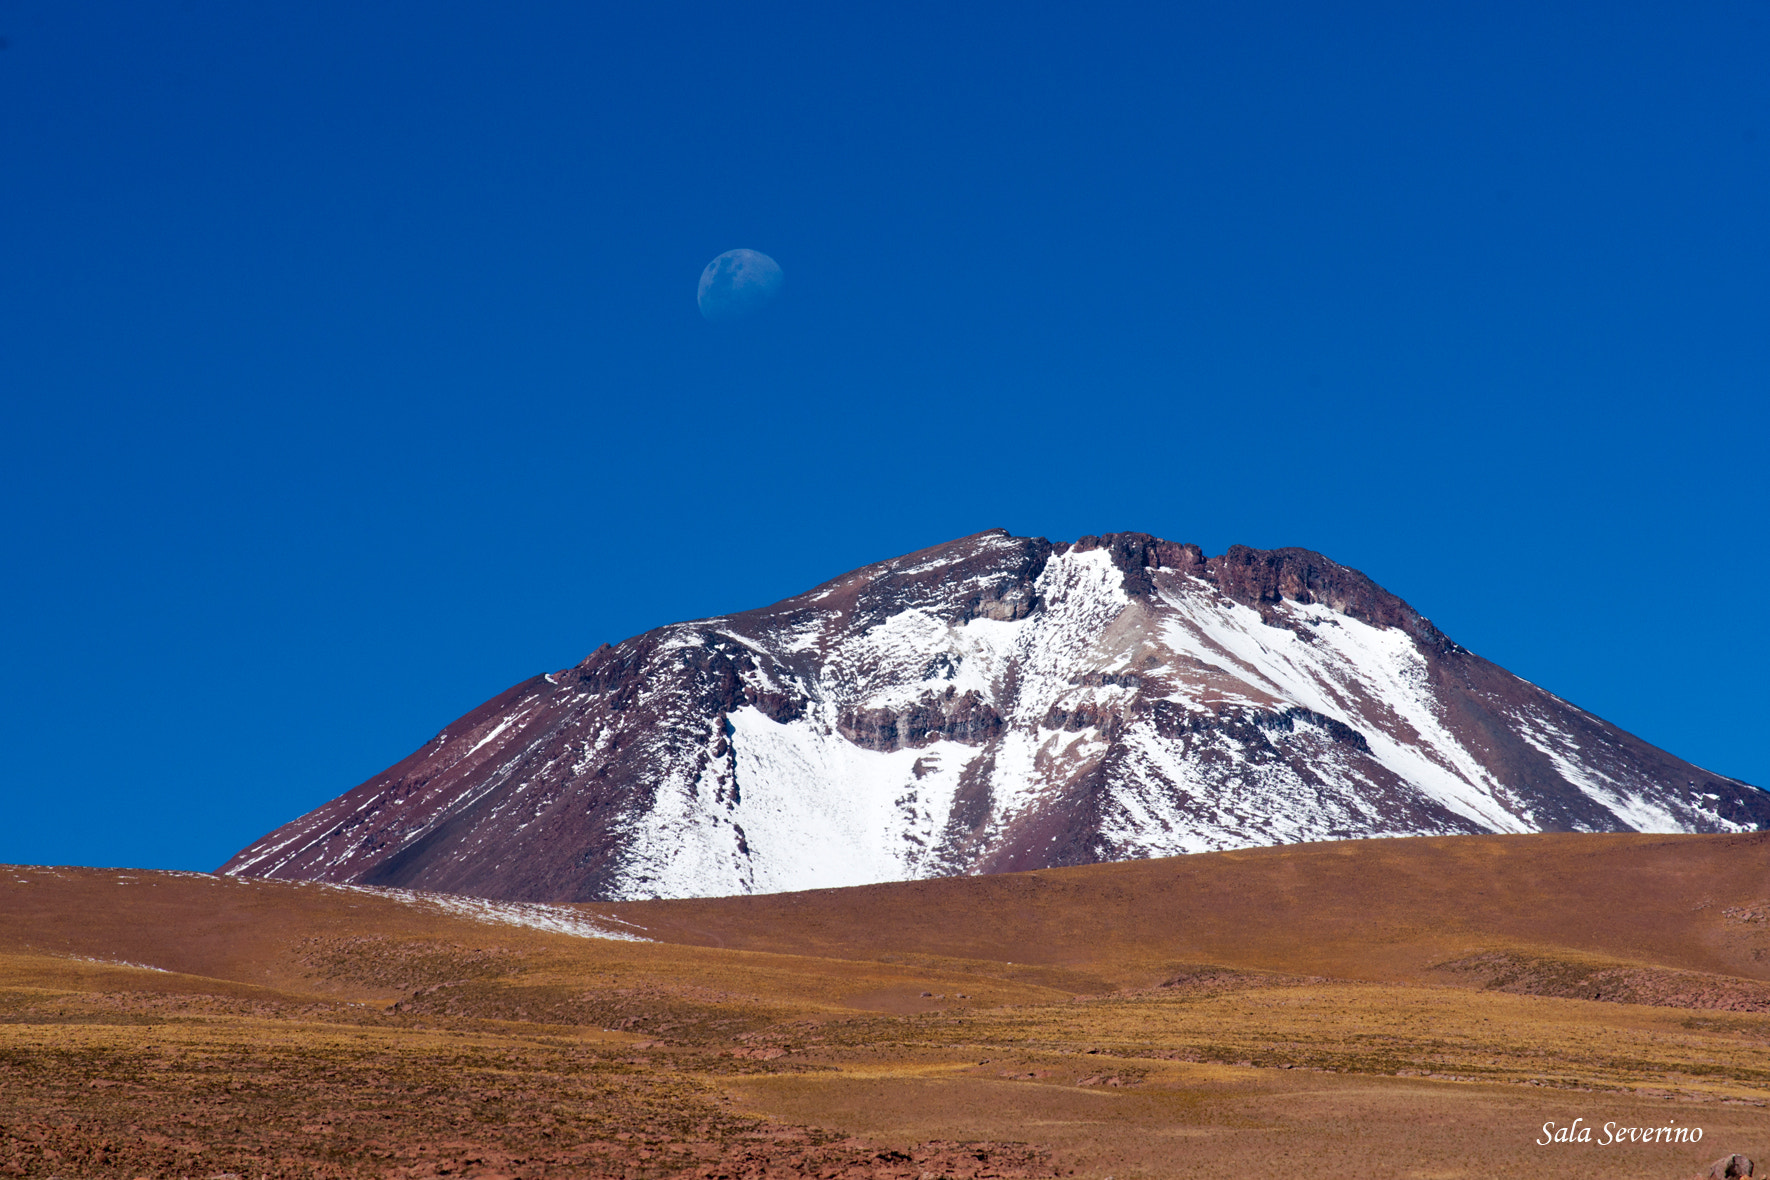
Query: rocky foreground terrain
[[994, 704]]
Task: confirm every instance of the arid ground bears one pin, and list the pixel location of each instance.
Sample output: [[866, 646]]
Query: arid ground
[[1403, 1008]]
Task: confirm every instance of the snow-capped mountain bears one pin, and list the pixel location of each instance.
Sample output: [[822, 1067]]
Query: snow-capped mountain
[[991, 704]]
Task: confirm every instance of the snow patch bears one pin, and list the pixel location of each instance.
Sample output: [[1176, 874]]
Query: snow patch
[[554, 919]]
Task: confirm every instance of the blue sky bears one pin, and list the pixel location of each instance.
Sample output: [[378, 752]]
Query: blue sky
[[350, 368]]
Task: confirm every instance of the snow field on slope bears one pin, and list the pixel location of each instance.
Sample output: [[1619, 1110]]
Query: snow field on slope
[[534, 915], [1371, 678], [1082, 593], [1629, 805], [554, 919], [820, 811], [1269, 804], [816, 811]]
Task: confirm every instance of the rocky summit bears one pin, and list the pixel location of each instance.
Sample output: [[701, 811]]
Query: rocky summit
[[993, 704]]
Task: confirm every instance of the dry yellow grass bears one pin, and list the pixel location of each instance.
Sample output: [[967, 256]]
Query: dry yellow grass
[[1379, 1009]]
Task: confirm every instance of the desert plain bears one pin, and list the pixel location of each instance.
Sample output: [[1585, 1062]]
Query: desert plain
[[1419, 1008]]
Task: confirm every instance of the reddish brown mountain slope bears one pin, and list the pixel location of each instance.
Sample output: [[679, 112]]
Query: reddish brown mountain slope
[[992, 704]]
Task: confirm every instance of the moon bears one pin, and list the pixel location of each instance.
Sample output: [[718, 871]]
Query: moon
[[738, 283]]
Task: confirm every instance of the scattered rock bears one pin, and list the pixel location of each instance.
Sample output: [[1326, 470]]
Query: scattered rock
[[1729, 1167], [770, 1053], [1545, 975]]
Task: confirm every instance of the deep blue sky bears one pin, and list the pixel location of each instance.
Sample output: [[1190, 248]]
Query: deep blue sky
[[351, 371]]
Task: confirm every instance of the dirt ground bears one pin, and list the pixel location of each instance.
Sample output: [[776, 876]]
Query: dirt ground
[[1417, 1009]]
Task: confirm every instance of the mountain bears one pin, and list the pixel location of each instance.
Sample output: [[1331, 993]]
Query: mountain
[[993, 704]]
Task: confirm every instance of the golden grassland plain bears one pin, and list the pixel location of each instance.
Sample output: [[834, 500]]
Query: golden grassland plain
[[1404, 1008]]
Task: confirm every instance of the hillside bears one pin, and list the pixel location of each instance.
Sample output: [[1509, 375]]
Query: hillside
[[1394, 1008]]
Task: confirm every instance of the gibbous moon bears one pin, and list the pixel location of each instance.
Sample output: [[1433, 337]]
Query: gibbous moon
[[738, 283]]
